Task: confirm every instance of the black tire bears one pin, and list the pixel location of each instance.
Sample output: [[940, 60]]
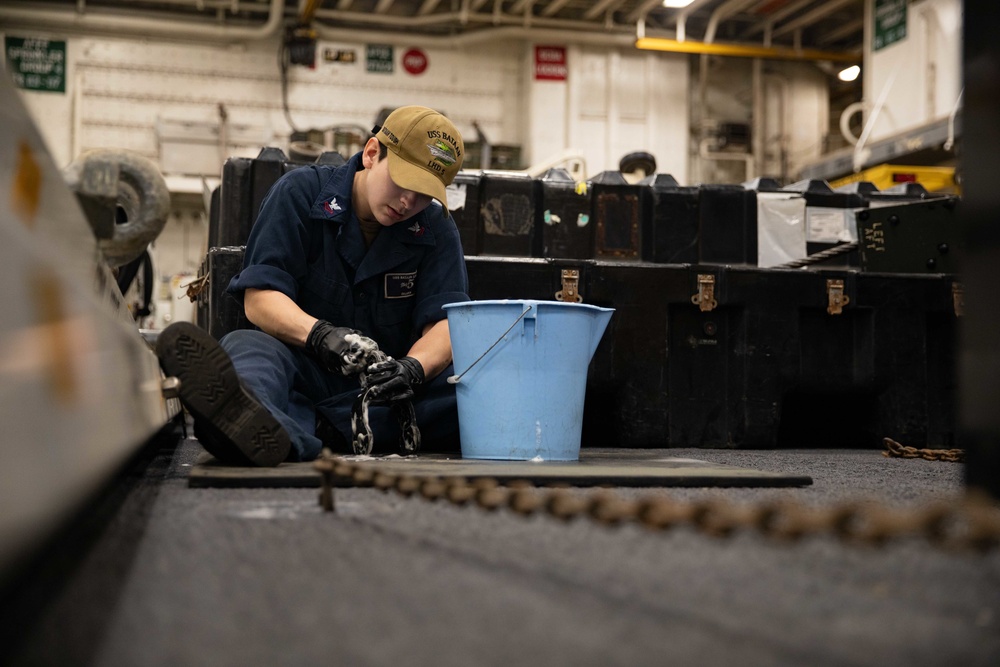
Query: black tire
[[305, 151], [141, 194], [638, 161]]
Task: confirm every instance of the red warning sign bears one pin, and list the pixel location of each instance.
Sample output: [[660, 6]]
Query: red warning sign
[[550, 63], [415, 61]]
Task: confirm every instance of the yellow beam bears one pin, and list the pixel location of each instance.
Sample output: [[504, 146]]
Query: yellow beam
[[744, 50]]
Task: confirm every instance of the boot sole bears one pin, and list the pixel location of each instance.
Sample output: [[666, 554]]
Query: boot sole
[[211, 391]]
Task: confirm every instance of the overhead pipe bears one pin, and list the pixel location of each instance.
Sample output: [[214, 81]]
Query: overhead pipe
[[428, 7], [509, 27], [811, 17], [599, 7], [576, 32], [231, 5], [775, 17], [445, 19], [743, 50], [554, 7], [60, 19], [341, 34], [724, 10], [682, 16]]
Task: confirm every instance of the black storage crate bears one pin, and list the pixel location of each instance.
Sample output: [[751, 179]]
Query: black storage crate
[[671, 236], [507, 215], [716, 356], [727, 225], [617, 216], [218, 312], [463, 204], [564, 217], [913, 237], [245, 182]]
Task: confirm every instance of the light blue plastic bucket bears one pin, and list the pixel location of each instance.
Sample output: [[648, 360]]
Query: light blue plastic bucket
[[522, 398]]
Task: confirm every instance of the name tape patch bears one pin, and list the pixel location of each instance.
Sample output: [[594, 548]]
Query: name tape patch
[[400, 285]]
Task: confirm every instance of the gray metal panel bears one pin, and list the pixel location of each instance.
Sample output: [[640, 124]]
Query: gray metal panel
[[79, 387], [930, 137]]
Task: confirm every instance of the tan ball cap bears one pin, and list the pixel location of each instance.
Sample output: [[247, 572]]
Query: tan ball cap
[[425, 150]]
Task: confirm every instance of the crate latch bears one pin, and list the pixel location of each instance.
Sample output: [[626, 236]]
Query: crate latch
[[836, 297], [958, 298], [570, 286], [196, 287], [705, 298]]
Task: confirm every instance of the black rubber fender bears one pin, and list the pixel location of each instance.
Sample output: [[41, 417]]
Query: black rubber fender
[[637, 161], [138, 189]]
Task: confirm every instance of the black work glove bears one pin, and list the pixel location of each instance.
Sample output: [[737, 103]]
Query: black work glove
[[337, 349], [394, 379]]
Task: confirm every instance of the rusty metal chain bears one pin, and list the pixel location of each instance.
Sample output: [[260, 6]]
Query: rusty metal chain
[[893, 448], [970, 522]]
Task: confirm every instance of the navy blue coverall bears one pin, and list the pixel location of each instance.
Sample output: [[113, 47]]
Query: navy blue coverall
[[307, 244]]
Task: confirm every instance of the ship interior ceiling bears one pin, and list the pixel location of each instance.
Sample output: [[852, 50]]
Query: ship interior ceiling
[[829, 33], [824, 25]]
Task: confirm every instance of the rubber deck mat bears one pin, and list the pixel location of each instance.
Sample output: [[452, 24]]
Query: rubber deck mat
[[596, 467]]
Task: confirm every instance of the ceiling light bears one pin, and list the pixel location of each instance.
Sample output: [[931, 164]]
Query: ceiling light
[[849, 73], [677, 3]]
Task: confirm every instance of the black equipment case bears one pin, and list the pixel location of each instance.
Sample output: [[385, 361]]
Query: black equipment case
[[245, 182], [723, 356], [217, 311], [712, 352]]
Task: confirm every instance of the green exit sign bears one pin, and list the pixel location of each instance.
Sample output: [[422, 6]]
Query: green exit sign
[[37, 64], [890, 22]]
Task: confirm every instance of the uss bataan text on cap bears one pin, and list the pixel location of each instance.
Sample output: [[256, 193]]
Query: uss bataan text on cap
[[425, 150]]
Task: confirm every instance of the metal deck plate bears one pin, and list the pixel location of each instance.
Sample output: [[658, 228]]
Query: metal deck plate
[[596, 467]]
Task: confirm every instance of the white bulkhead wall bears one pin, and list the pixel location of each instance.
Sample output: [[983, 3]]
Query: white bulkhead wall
[[917, 79], [121, 91], [613, 102]]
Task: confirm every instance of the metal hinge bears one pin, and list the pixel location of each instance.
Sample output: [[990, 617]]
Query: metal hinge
[[836, 297], [570, 286], [958, 298], [705, 298]]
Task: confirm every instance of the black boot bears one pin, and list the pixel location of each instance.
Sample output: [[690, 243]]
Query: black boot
[[229, 422]]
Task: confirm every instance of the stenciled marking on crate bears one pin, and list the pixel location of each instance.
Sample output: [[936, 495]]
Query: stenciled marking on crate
[[875, 237], [507, 215]]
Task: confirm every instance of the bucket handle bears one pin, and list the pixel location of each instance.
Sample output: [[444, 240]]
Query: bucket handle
[[454, 379]]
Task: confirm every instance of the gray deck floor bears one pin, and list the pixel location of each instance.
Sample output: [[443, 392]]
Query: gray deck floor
[[186, 576]]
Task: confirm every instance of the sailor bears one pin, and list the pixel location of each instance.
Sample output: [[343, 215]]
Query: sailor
[[365, 248]]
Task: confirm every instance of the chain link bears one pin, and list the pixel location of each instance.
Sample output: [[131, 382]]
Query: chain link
[[893, 448], [821, 256], [968, 522]]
